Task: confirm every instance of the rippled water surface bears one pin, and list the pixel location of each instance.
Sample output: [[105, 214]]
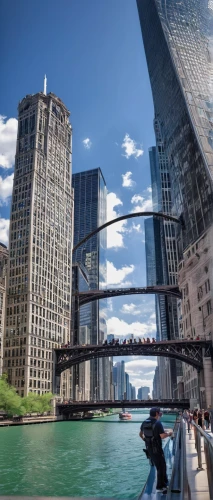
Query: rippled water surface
[[100, 457]]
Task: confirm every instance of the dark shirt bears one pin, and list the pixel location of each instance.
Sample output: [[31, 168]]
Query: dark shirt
[[158, 429]]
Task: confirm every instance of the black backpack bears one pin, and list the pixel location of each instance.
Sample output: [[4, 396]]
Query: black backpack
[[150, 440]]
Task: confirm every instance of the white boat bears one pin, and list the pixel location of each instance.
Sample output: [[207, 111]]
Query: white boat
[[125, 416]]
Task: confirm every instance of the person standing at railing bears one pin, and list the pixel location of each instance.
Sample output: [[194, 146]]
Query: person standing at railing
[[200, 418], [206, 418], [152, 432]]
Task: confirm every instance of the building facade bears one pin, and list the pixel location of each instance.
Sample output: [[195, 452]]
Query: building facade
[[80, 334], [90, 213], [40, 246], [143, 392], [180, 63], [119, 380], [3, 277]]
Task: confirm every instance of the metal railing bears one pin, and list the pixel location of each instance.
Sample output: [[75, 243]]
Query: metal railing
[[179, 482], [208, 452]]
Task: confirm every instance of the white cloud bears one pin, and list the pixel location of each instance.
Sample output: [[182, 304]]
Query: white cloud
[[6, 187], [87, 143], [4, 230], [8, 136], [114, 232], [116, 277], [130, 148], [121, 328], [136, 227], [142, 203], [138, 365], [127, 181], [130, 309]]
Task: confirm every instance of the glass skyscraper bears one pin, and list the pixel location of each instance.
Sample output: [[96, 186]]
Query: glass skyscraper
[[90, 213], [178, 42]]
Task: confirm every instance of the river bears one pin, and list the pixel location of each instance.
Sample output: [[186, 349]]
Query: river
[[94, 458]]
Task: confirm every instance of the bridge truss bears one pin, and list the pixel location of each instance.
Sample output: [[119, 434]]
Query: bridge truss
[[159, 215], [91, 295], [188, 351], [84, 406]]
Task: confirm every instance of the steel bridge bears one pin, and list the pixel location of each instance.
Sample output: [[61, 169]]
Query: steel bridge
[[188, 351], [77, 406], [91, 295], [161, 215]]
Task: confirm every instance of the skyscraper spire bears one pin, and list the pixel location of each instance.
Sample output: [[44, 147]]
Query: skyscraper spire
[[45, 85]]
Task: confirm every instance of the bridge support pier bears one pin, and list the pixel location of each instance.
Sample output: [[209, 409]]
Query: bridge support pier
[[208, 381], [56, 378]]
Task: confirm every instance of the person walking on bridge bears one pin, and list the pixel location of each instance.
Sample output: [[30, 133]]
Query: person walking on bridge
[[152, 432]]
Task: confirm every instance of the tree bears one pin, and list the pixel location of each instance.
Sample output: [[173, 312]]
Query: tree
[[13, 404], [10, 401], [34, 403], [45, 400]]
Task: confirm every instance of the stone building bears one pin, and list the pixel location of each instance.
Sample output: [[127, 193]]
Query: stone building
[[40, 246]]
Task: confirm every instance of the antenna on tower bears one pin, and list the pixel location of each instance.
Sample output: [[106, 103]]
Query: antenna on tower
[[45, 85]]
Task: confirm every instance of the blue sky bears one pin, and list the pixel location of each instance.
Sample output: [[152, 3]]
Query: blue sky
[[92, 53]]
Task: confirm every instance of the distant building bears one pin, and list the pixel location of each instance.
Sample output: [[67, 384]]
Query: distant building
[[115, 382], [128, 390], [133, 392], [80, 334], [156, 384], [119, 379], [3, 275], [143, 392]]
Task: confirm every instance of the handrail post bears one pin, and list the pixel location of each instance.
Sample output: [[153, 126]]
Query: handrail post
[[179, 483], [184, 479], [209, 465], [199, 454]]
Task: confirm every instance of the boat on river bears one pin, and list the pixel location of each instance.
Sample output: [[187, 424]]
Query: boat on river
[[125, 416]]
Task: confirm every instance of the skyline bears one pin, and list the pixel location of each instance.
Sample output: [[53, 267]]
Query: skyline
[[113, 133]]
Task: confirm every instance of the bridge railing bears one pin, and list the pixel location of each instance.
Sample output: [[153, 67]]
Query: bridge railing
[[179, 482], [208, 451]]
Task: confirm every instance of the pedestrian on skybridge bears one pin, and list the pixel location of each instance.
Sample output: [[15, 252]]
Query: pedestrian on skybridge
[[152, 432]]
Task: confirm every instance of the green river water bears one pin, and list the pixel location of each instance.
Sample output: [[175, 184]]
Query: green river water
[[100, 458]]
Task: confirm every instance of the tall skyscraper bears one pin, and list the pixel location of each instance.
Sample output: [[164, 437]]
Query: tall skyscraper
[[3, 274], [40, 245], [161, 262], [119, 379], [177, 38], [90, 213]]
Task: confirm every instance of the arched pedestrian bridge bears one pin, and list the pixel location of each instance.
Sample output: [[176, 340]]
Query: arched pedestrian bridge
[[91, 295], [78, 406], [189, 351]]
